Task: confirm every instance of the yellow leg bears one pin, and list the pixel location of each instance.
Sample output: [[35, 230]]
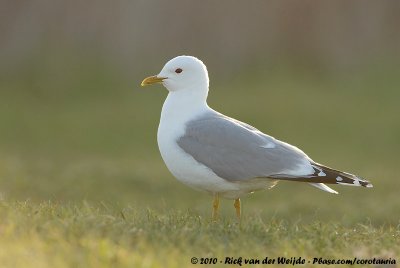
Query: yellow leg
[[215, 207], [238, 208]]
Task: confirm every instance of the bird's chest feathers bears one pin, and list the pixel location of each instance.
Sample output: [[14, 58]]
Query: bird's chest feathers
[[176, 112], [181, 165], [172, 127], [185, 168]]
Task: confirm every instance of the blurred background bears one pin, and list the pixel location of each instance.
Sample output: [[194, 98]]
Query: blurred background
[[323, 75]]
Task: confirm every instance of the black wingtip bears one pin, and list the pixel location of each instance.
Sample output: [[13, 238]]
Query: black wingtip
[[343, 178]]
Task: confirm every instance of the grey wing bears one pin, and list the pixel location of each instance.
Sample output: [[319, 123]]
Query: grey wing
[[236, 151]]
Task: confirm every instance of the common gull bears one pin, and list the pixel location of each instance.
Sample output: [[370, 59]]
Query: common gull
[[212, 152]]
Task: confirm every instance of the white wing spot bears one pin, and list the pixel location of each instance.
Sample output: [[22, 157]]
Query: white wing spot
[[321, 173], [356, 182], [269, 145], [339, 178]]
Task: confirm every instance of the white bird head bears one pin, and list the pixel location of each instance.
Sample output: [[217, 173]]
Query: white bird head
[[181, 73]]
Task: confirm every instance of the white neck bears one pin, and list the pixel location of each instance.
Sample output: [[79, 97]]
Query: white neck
[[182, 105]]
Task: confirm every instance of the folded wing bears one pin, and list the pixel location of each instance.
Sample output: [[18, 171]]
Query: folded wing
[[236, 151]]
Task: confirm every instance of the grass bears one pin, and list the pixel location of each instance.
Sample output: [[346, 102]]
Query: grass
[[82, 183], [81, 235]]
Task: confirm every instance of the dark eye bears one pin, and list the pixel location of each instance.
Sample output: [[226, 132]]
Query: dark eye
[[178, 71]]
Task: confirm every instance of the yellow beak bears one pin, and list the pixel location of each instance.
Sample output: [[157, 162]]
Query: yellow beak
[[152, 80]]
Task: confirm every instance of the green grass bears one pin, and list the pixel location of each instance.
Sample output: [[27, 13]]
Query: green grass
[[81, 235], [82, 183]]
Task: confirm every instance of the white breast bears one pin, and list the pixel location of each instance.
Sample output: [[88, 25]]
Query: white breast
[[180, 164], [175, 114]]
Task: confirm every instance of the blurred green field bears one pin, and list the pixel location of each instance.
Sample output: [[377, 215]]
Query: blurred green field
[[82, 182]]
